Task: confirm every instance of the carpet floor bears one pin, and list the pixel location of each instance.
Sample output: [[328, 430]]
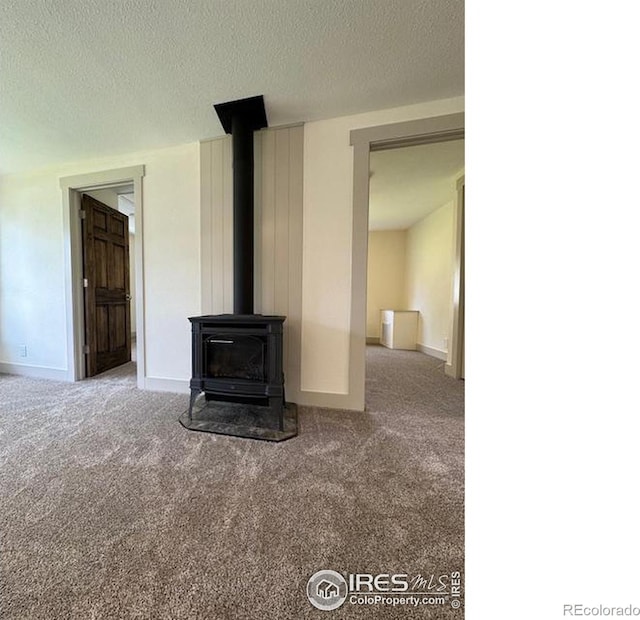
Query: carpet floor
[[109, 508]]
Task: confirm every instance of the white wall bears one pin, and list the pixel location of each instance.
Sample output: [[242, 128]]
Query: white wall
[[328, 213], [32, 262], [32, 297], [429, 277], [385, 275], [171, 238]]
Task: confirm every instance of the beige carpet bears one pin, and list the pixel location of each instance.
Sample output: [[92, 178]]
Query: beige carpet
[[110, 509]]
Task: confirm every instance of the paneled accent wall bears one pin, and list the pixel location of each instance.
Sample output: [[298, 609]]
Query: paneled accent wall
[[278, 234], [216, 200]]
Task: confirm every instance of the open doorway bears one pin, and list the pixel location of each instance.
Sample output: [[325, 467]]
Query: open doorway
[[108, 255], [365, 141], [411, 264], [121, 187]]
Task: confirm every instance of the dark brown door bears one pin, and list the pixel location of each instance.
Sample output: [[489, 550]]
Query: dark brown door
[[105, 238]]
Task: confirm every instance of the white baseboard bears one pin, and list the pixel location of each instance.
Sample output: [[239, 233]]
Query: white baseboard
[[373, 340], [38, 372], [327, 400], [160, 384], [433, 352], [154, 384]]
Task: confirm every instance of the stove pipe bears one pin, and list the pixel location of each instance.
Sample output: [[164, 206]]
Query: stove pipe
[[241, 118]]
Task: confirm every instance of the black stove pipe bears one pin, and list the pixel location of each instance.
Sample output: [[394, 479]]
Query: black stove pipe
[[242, 138], [241, 118]]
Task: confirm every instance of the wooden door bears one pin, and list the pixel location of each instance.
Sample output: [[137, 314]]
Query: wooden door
[[105, 240]]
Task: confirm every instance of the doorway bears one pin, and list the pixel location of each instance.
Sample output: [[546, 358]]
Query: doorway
[[410, 263], [108, 256], [125, 185], [422, 131]]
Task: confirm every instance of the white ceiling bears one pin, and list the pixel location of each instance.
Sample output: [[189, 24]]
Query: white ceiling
[[87, 78], [408, 183]]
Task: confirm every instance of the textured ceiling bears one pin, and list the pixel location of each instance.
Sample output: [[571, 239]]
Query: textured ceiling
[[84, 78], [409, 183]]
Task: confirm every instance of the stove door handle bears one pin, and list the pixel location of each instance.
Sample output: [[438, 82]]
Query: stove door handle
[[220, 341]]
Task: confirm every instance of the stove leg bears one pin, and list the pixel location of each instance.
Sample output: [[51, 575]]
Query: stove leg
[[195, 392], [278, 405]]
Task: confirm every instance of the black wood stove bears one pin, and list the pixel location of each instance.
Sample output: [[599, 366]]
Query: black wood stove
[[237, 378], [237, 382]]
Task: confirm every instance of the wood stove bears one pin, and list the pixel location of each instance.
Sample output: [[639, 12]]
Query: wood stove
[[237, 359], [237, 379]]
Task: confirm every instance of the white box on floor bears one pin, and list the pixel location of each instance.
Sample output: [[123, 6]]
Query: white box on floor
[[399, 329]]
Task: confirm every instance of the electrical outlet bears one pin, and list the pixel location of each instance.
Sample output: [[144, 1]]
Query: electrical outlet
[[23, 350]]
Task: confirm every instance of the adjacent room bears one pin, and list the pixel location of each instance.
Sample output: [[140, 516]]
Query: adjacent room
[[412, 247]]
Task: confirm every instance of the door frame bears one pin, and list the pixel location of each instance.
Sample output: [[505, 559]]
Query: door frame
[[455, 363], [72, 188], [421, 131]]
